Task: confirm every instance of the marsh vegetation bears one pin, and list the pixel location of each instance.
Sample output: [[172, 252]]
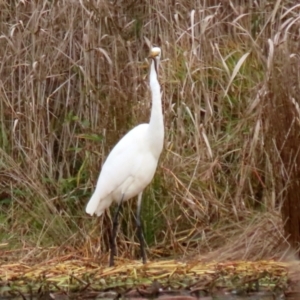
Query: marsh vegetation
[[74, 79]]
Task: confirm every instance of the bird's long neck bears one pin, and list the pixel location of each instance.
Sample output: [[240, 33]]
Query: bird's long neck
[[156, 124]]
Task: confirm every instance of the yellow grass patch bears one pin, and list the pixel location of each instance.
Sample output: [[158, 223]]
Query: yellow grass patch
[[82, 275]]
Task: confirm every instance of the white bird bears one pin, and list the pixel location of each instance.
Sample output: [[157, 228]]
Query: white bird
[[132, 163]]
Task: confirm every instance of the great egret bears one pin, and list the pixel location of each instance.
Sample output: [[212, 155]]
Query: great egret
[[131, 165]]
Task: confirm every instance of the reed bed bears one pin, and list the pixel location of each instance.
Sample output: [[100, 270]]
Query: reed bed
[[74, 79]]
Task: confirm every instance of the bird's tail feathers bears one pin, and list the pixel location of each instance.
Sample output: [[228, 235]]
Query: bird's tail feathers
[[97, 205]]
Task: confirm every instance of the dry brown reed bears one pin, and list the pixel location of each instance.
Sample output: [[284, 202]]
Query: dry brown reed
[[73, 80]]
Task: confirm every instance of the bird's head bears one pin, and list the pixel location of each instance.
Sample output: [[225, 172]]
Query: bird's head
[[155, 54]]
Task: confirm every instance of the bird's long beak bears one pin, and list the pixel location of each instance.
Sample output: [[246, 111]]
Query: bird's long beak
[[153, 55]]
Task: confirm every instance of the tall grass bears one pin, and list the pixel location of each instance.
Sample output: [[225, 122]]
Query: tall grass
[[74, 80]]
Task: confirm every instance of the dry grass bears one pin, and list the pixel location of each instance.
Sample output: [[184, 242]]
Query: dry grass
[[82, 278], [74, 80]]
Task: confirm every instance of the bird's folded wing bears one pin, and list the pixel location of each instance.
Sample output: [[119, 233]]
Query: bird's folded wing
[[123, 161]]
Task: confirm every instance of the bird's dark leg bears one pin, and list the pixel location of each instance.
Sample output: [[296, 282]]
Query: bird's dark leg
[[114, 234], [139, 228]]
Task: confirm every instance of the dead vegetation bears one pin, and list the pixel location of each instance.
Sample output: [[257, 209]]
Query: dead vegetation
[[73, 80], [84, 279]]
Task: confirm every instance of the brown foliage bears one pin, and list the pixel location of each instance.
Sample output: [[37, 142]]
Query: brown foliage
[[282, 115], [73, 80]]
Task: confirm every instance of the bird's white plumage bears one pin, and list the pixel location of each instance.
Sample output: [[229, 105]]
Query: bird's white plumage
[[131, 164], [127, 170]]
